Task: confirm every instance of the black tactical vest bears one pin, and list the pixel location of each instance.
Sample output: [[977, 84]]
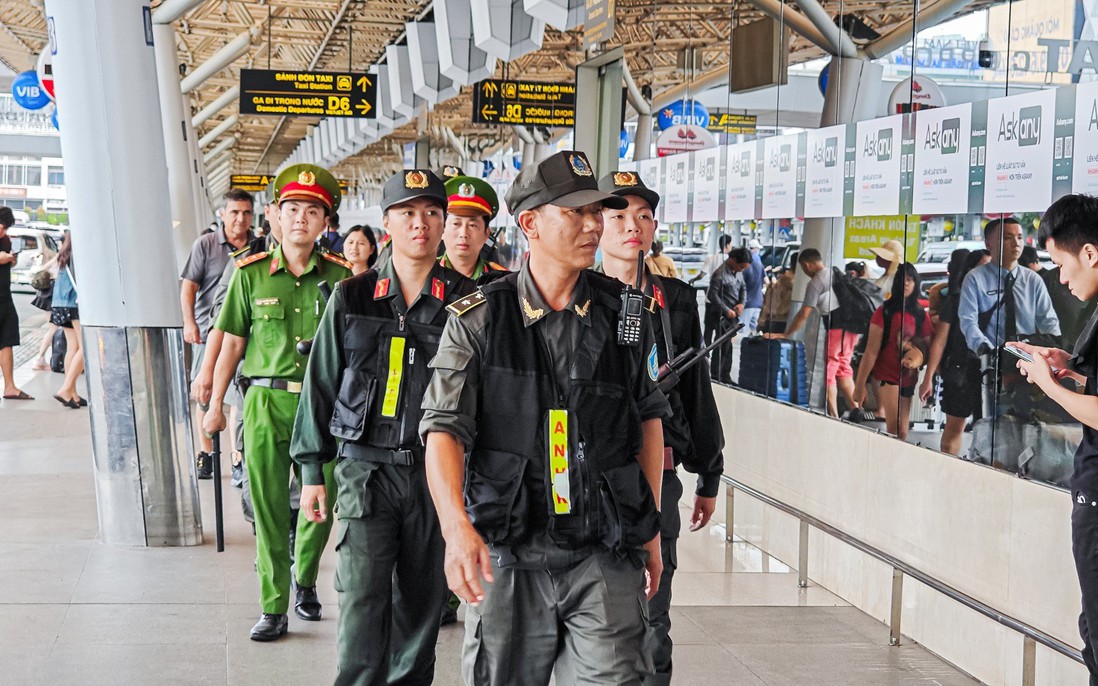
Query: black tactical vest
[[378, 405], [508, 481]]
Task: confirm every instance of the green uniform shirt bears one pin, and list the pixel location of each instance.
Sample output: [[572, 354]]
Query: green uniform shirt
[[313, 444], [483, 266], [275, 310]]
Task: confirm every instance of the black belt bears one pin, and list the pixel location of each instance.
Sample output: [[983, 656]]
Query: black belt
[[276, 384], [368, 453]]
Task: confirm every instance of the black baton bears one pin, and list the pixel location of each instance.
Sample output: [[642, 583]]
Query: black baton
[[219, 519]]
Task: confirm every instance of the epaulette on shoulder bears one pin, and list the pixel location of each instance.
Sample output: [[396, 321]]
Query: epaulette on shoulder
[[237, 253], [251, 259], [469, 302], [496, 267], [334, 257]]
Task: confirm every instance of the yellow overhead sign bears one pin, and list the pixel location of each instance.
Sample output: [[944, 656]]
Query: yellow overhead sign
[[307, 93]]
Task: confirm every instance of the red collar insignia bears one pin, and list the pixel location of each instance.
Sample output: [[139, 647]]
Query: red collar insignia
[[657, 295], [274, 266], [438, 289], [382, 288]]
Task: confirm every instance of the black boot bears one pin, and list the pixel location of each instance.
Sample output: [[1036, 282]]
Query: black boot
[[204, 466], [270, 627], [308, 605]]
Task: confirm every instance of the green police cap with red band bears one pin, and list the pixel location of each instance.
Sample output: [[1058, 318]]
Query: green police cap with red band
[[468, 196]]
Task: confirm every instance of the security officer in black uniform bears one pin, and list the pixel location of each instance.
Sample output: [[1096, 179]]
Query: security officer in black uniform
[[692, 436], [561, 423], [360, 404]]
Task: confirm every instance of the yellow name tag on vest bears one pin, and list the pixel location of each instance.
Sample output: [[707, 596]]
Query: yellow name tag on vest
[[396, 373], [558, 461]]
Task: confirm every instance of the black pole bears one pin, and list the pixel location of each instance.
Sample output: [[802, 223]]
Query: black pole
[[219, 519]]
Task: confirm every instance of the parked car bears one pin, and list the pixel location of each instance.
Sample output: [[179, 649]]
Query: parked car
[[32, 249]]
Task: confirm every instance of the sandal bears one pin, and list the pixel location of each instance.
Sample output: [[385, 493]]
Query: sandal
[[22, 395], [67, 403], [40, 365]]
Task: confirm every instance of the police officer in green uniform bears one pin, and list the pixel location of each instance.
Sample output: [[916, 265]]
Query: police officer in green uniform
[[692, 436], [472, 205], [561, 423], [274, 302], [361, 401]]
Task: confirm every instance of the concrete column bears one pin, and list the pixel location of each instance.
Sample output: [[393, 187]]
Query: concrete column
[[118, 195], [175, 125]]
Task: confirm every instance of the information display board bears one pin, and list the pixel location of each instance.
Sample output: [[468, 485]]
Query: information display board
[[739, 189], [707, 185], [823, 195], [943, 138], [1018, 175], [524, 103], [676, 195], [1084, 176], [307, 93], [779, 192], [877, 166], [649, 171]]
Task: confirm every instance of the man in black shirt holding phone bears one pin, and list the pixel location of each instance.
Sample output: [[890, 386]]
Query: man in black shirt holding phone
[[1069, 233]]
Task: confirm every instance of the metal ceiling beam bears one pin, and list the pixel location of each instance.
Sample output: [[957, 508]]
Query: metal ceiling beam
[[220, 147], [224, 100], [903, 33], [216, 131], [796, 21], [220, 59], [170, 10], [839, 39]]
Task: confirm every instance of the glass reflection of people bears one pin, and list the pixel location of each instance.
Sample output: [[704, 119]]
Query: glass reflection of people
[[949, 354], [896, 344], [1070, 234], [1002, 301], [360, 248]]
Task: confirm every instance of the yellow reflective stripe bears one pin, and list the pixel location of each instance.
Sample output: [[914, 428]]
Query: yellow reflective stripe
[[396, 373], [558, 461]]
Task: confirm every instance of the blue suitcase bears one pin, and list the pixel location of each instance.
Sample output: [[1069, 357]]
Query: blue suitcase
[[774, 368]]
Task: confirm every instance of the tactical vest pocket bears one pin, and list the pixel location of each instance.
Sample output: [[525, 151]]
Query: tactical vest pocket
[[628, 508], [494, 495], [357, 392]]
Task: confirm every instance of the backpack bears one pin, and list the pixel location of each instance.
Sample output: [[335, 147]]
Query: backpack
[[858, 300]]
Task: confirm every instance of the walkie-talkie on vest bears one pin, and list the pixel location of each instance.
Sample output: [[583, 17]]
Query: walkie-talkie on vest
[[632, 306]]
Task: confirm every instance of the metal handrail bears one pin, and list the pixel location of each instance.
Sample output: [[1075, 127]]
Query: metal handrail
[[900, 568]]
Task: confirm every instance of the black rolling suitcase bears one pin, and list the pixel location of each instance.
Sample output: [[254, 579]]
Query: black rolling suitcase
[[774, 368]]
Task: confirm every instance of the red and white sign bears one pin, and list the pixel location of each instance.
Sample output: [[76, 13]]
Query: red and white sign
[[45, 73], [684, 138], [914, 94]]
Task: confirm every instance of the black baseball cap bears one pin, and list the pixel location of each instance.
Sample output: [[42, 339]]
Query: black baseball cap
[[629, 183], [565, 179], [409, 184]]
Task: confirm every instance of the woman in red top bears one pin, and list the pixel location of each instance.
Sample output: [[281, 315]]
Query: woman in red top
[[898, 335]]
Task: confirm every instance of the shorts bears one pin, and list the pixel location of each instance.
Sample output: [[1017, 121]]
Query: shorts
[[962, 390], [905, 391], [64, 316], [840, 351], [198, 352], [9, 325]]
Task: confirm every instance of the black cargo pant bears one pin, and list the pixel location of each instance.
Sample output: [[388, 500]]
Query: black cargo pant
[[1084, 547], [720, 361], [389, 576], [658, 642]]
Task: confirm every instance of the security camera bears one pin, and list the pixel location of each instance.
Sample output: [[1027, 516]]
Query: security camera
[[986, 55]]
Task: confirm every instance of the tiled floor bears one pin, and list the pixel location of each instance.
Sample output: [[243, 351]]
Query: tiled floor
[[74, 611]]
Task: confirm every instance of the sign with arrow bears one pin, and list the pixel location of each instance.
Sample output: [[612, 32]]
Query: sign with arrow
[[524, 103], [307, 93], [255, 183]]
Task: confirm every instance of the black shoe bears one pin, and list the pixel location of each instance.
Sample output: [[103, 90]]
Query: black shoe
[[308, 605], [238, 475], [270, 627], [204, 466]]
